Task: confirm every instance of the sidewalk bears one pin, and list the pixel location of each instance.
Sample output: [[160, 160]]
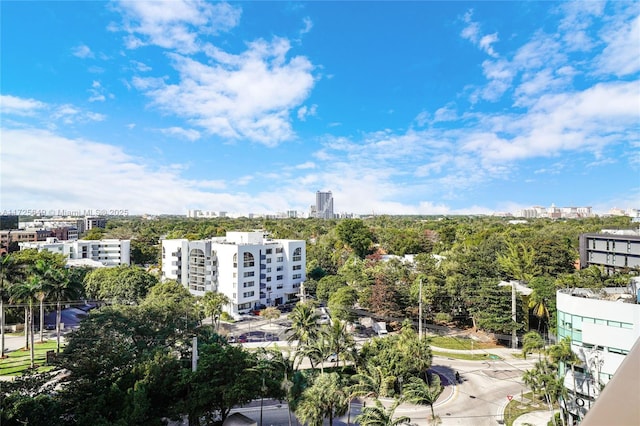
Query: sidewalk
[[535, 418]]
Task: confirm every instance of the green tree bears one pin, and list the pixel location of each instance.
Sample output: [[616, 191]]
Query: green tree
[[328, 285], [270, 313], [417, 391], [62, 287], [27, 292], [304, 324], [122, 284], [491, 308], [519, 262], [542, 300], [378, 415], [532, 341], [340, 341], [29, 400], [214, 303], [326, 398], [562, 354], [226, 376], [369, 381], [9, 273], [341, 304], [355, 235]]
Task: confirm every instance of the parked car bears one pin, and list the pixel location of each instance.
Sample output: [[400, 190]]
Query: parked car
[[257, 309], [332, 358], [243, 339]]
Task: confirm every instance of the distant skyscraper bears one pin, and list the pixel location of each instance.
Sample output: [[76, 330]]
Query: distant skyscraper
[[324, 205]]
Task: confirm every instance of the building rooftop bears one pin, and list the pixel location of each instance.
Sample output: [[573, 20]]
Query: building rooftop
[[627, 294]]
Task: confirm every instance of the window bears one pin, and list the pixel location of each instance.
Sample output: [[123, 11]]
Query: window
[[278, 249], [297, 276], [249, 274], [297, 267], [297, 255], [268, 279], [243, 305], [269, 251], [268, 260], [280, 268], [268, 270], [248, 284], [279, 277], [279, 259], [248, 294], [235, 275], [235, 260], [248, 260]]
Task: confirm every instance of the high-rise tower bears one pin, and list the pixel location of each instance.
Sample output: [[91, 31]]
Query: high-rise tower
[[324, 205]]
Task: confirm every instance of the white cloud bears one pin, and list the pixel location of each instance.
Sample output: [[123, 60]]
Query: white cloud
[[98, 93], [473, 33], [139, 66], [189, 134], [308, 24], [19, 106], [70, 114], [246, 96], [175, 24], [621, 56], [82, 51], [304, 112], [486, 42], [102, 177]]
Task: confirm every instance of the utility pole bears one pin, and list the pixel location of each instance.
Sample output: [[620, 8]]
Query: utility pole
[[514, 336], [420, 311], [194, 353]]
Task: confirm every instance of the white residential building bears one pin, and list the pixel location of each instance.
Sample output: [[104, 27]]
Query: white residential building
[[603, 326], [248, 267], [107, 252]]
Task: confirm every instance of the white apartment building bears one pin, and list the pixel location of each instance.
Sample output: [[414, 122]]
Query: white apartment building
[[108, 252], [603, 326], [248, 267]]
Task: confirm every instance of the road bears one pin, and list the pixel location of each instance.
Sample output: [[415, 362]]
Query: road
[[477, 400]]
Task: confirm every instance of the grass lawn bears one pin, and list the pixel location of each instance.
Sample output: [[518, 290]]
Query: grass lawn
[[515, 408], [468, 357], [459, 343], [20, 360]]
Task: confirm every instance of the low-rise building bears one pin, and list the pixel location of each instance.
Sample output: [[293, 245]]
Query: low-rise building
[[109, 252], [612, 250], [603, 325], [248, 267]]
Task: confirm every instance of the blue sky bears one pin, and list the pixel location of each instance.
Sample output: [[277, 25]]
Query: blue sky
[[395, 107]]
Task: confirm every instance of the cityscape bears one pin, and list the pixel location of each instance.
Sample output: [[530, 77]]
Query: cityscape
[[319, 213]]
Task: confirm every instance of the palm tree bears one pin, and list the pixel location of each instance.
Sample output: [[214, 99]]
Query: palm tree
[[532, 341], [370, 382], [27, 292], [562, 354], [60, 288], [44, 271], [9, 268], [340, 340], [417, 391], [378, 415], [326, 398], [287, 363], [317, 351], [304, 324], [539, 306], [213, 304]]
